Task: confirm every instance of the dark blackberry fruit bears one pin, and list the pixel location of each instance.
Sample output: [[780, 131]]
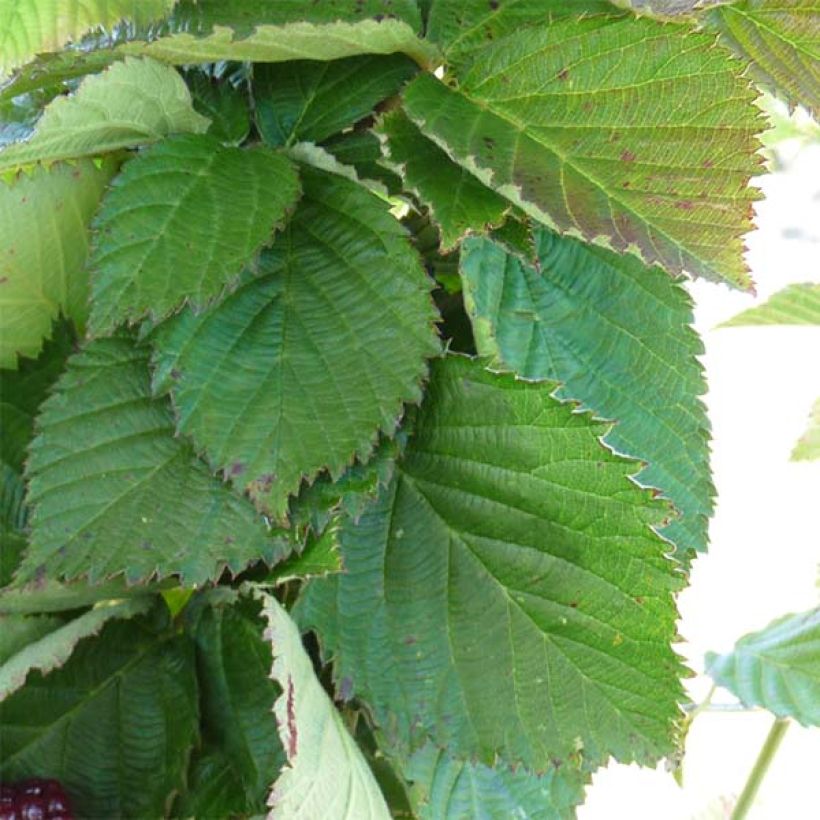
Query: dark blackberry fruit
[[34, 799]]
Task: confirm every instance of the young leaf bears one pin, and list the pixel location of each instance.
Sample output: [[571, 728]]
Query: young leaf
[[458, 202], [180, 222], [808, 445], [326, 775], [309, 101], [300, 368], [115, 725], [113, 491], [236, 700], [604, 325], [44, 222], [282, 30], [777, 668], [29, 27], [780, 39], [509, 563], [51, 650], [794, 305], [442, 787], [565, 121], [132, 103]]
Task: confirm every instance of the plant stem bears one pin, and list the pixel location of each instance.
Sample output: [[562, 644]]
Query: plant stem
[[764, 759]]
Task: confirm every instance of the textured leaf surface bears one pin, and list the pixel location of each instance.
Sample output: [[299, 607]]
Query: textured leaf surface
[[114, 492], [461, 26], [320, 557], [794, 305], [44, 222], [619, 130], [606, 327], [458, 202], [777, 668], [272, 32], [781, 38], [361, 149], [310, 100], [132, 103], [300, 367], [180, 222], [52, 650], [115, 725], [28, 27], [510, 562], [224, 103], [808, 446], [237, 695], [326, 775], [443, 787]]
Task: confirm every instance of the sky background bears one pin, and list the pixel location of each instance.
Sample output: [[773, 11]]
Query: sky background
[[765, 535]]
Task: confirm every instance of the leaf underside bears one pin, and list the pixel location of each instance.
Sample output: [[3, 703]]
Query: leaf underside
[[179, 224], [102, 470], [304, 363], [326, 776], [619, 131], [777, 668], [509, 562], [605, 326]]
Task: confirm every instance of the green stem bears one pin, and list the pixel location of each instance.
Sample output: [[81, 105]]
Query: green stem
[[764, 759]]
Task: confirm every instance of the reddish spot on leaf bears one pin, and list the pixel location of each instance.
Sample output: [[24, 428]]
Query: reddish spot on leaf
[[410, 640], [626, 183], [237, 468], [707, 163], [563, 74], [685, 205], [638, 600], [3, 280], [627, 156], [573, 604], [292, 732]]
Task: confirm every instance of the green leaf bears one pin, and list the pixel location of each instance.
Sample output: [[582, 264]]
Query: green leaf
[[780, 38], [18, 631], [180, 222], [461, 26], [458, 203], [23, 391], [29, 27], [361, 149], [13, 507], [808, 445], [113, 491], [510, 562], [236, 699], [48, 651], [132, 103], [326, 776], [605, 326], [777, 668], [44, 222], [794, 305], [309, 100], [564, 120], [115, 725], [302, 366], [284, 30], [443, 787], [319, 558], [224, 103]]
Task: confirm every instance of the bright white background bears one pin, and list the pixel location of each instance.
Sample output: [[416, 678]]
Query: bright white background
[[765, 535]]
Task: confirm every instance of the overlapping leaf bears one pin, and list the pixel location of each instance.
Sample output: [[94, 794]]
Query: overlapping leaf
[[50, 650], [605, 326], [310, 100], [134, 102], [180, 222], [781, 39], [458, 202], [115, 725], [444, 787], [326, 775], [506, 594], [794, 305], [777, 668], [29, 27], [300, 367], [223, 101], [808, 445], [114, 492], [620, 130], [44, 222]]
